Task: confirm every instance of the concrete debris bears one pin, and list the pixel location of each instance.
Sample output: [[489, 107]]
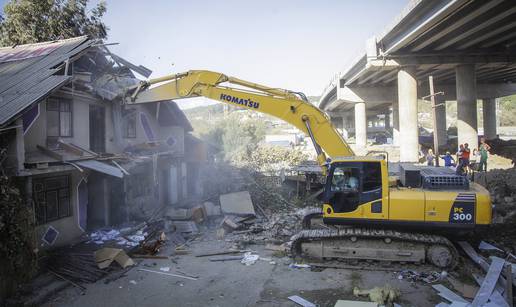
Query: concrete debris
[[278, 229], [238, 203], [229, 225], [301, 301], [186, 227], [380, 295], [178, 214], [413, 276], [198, 214], [211, 209]]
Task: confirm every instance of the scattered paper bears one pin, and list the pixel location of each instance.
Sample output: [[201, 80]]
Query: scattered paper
[[299, 266], [249, 258], [165, 269]]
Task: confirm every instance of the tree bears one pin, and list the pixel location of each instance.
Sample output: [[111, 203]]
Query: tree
[[32, 21]]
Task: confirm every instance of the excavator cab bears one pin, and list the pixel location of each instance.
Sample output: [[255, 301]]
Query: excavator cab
[[351, 184]]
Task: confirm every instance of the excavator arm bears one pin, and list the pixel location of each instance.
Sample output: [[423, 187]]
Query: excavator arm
[[286, 105]]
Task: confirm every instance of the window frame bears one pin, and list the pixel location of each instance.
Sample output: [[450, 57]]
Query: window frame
[[60, 199], [130, 115], [60, 101]]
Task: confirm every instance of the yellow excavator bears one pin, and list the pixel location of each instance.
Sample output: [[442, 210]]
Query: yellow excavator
[[366, 215]]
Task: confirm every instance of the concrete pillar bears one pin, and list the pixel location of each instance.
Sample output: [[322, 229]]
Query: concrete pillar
[[360, 126], [407, 97], [395, 124], [466, 105], [440, 116], [345, 133], [489, 114], [387, 119]]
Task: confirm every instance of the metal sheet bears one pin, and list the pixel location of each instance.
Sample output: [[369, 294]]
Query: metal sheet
[[489, 283], [448, 294], [496, 297], [101, 168], [28, 73]]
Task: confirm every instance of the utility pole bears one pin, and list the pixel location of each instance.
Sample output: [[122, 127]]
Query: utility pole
[[432, 99]]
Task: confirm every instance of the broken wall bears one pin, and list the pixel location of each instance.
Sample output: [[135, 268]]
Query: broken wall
[[68, 227], [37, 134]]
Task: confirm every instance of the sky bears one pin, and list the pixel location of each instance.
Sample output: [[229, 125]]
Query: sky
[[298, 45]]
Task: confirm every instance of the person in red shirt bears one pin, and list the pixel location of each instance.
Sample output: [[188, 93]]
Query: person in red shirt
[[465, 158]]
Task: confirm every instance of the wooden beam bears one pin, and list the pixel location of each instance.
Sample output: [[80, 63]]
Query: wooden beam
[[71, 148]]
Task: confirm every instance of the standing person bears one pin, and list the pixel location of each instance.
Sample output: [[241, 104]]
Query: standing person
[[460, 165], [448, 160], [430, 157], [474, 160], [484, 150], [465, 158]]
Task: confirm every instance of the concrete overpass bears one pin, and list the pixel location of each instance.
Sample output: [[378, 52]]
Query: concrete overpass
[[468, 46]]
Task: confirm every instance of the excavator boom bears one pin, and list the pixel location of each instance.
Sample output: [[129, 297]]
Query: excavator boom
[[357, 189], [286, 105]]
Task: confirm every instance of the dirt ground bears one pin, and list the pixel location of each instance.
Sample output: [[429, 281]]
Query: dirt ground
[[231, 283]]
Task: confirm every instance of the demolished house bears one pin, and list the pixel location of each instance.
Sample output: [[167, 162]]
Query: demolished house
[[84, 160]]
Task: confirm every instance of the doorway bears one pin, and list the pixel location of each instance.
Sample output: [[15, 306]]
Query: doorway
[[97, 129]]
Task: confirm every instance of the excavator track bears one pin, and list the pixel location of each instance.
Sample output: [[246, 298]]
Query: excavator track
[[309, 215], [374, 244]]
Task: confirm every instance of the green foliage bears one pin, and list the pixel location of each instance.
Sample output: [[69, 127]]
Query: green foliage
[[232, 134], [242, 135], [269, 159], [238, 138], [18, 261], [31, 21]]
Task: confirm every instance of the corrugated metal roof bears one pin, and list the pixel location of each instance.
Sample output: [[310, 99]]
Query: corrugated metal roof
[[28, 73], [101, 167]]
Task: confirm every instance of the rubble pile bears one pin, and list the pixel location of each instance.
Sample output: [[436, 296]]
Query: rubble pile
[[501, 184], [79, 267], [503, 148]]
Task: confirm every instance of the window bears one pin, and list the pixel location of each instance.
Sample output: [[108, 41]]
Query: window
[[345, 179], [52, 198], [59, 117], [354, 183], [129, 121], [372, 176]]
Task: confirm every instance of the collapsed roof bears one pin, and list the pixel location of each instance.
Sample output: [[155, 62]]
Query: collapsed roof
[[31, 72]]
